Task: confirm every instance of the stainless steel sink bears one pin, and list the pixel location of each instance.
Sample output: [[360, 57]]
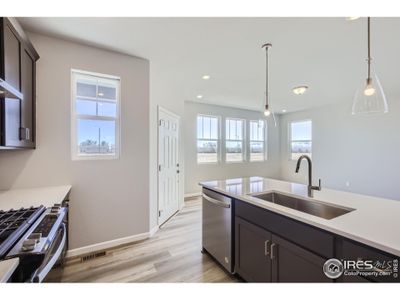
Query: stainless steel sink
[[312, 207]]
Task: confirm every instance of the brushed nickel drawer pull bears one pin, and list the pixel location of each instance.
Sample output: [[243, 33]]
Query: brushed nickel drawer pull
[[272, 250]]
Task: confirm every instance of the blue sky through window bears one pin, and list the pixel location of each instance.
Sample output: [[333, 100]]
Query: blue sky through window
[[301, 130]]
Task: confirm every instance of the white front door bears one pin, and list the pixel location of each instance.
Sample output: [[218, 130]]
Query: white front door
[[168, 164]]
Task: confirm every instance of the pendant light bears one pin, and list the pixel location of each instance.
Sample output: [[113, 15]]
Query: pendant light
[[267, 110], [370, 97]]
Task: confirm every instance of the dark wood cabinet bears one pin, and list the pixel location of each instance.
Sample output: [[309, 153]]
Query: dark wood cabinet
[[27, 128], [291, 263], [270, 247], [18, 69], [261, 256], [252, 257]]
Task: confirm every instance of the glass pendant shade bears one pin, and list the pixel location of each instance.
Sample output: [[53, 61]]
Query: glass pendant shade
[[370, 98]]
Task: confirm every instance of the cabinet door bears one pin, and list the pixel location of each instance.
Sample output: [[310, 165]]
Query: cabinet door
[[12, 107], [27, 104], [11, 57], [252, 260], [291, 263]]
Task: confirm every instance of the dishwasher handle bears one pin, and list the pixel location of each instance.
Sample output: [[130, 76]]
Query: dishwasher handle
[[216, 202]]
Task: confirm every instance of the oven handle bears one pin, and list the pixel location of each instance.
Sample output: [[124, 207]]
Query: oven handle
[[216, 202], [43, 270]]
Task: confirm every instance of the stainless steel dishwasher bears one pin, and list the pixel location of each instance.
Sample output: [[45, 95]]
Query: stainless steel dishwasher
[[217, 227]]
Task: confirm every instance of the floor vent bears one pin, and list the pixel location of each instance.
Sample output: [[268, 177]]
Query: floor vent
[[93, 256]]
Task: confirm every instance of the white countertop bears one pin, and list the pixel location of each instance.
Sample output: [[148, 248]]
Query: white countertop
[[375, 221], [46, 196], [7, 268]]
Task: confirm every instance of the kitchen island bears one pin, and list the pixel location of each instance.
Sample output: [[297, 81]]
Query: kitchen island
[[297, 240]]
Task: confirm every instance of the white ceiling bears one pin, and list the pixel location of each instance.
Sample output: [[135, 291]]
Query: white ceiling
[[328, 54]]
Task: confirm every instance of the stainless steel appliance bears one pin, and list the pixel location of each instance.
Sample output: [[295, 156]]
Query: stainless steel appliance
[[38, 236], [217, 228]]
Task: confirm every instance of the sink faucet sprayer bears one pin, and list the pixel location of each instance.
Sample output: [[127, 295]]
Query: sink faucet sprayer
[[310, 187]]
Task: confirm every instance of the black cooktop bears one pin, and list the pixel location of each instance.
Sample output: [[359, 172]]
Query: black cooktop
[[14, 223]]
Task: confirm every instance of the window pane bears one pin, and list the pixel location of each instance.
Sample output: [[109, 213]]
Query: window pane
[[214, 128], [301, 130], [86, 89], [199, 127], [234, 129], [234, 151], [206, 128], [207, 151], [256, 151], [300, 148], [107, 109], [85, 107], [96, 137], [107, 92], [239, 130], [257, 130]]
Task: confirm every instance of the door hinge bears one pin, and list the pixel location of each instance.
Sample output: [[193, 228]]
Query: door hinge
[[159, 213], [159, 168]]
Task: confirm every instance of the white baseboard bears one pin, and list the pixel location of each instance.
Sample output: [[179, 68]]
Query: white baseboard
[[192, 195], [110, 244], [153, 230]]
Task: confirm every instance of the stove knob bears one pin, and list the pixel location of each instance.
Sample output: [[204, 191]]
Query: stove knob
[[28, 245]]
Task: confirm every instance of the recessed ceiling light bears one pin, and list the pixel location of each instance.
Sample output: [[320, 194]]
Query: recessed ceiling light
[[206, 77], [283, 110], [199, 96], [352, 18], [300, 90], [100, 94]]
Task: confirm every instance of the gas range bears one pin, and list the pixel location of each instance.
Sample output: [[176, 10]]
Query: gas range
[[38, 236]]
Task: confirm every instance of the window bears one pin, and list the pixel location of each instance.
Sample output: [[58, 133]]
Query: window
[[95, 115], [300, 139], [257, 140], [234, 136], [207, 139]]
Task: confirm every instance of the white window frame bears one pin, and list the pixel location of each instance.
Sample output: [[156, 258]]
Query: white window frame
[[290, 137], [264, 141], [75, 73], [243, 140], [218, 140]]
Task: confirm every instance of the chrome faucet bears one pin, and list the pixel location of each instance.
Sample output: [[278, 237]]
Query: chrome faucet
[[310, 187]]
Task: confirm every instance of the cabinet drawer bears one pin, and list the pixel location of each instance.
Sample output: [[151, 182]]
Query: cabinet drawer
[[316, 240], [354, 251]]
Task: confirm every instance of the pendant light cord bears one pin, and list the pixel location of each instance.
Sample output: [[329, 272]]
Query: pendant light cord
[[266, 77], [369, 48], [266, 46]]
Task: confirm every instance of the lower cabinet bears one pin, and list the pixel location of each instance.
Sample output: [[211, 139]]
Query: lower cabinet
[[252, 257], [261, 256]]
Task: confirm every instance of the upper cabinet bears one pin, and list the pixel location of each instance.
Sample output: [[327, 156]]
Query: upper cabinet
[[17, 87]]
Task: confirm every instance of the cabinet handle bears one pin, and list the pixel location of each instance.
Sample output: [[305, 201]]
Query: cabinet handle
[[266, 246], [272, 251]]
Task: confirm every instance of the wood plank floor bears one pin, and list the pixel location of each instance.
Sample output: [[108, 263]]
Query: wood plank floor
[[171, 255]]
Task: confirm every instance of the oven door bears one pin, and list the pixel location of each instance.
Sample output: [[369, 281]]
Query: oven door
[[55, 252]]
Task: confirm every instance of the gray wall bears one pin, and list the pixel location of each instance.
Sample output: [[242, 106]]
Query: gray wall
[[109, 198], [195, 173], [361, 150]]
